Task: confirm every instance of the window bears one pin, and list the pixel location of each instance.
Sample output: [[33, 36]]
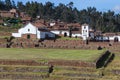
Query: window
[[84, 27], [28, 29], [116, 39], [83, 31]]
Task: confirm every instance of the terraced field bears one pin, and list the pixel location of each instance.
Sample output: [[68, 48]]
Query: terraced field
[[62, 54], [35, 64]]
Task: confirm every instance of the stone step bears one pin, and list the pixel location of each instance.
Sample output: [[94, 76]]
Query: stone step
[[23, 69], [16, 76]]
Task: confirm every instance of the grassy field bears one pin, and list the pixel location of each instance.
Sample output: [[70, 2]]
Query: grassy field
[[63, 54]]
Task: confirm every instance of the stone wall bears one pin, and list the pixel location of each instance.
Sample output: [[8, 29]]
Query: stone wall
[[71, 63], [32, 36]]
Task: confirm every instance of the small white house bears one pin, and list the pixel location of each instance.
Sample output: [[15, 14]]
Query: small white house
[[114, 38], [32, 32]]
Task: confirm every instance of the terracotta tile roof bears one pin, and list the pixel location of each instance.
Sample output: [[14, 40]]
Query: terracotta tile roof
[[40, 23], [23, 14], [26, 19], [4, 11], [74, 24], [64, 26], [1, 21], [6, 14], [76, 32], [111, 34]]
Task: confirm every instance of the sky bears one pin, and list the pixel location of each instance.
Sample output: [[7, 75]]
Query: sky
[[101, 5]]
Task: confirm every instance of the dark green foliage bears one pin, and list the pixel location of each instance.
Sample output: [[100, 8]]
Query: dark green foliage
[[70, 31], [102, 60], [99, 48], [21, 6], [9, 41]]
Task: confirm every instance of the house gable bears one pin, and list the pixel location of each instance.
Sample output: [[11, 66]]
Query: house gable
[[28, 29]]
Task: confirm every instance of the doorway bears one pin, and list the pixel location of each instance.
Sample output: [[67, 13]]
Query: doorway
[[116, 39], [28, 36], [65, 34]]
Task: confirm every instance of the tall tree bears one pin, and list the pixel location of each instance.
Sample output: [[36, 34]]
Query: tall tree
[[2, 5], [41, 10], [13, 4], [21, 6], [49, 10], [8, 4]]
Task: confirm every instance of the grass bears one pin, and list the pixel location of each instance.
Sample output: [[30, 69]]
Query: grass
[[68, 38], [24, 66], [3, 37], [62, 54]]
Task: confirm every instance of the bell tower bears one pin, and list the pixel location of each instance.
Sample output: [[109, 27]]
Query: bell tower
[[85, 31]]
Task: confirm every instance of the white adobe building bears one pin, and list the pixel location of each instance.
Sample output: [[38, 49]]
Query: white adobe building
[[84, 32], [30, 31]]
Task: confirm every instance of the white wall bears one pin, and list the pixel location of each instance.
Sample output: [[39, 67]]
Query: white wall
[[28, 29], [105, 38], [52, 24], [113, 37], [38, 34], [56, 32], [63, 32], [78, 35], [16, 34]]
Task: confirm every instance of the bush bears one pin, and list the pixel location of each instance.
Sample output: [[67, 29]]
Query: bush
[[99, 48]]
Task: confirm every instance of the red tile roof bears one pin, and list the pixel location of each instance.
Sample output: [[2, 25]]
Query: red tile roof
[[111, 34], [1, 21], [26, 19], [39, 24], [6, 14]]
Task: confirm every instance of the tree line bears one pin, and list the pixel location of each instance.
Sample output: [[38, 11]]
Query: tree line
[[104, 21]]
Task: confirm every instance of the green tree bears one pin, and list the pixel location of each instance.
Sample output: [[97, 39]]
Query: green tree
[[20, 6], [13, 4], [8, 4], [41, 10], [2, 5], [49, 10], [70, 31]]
